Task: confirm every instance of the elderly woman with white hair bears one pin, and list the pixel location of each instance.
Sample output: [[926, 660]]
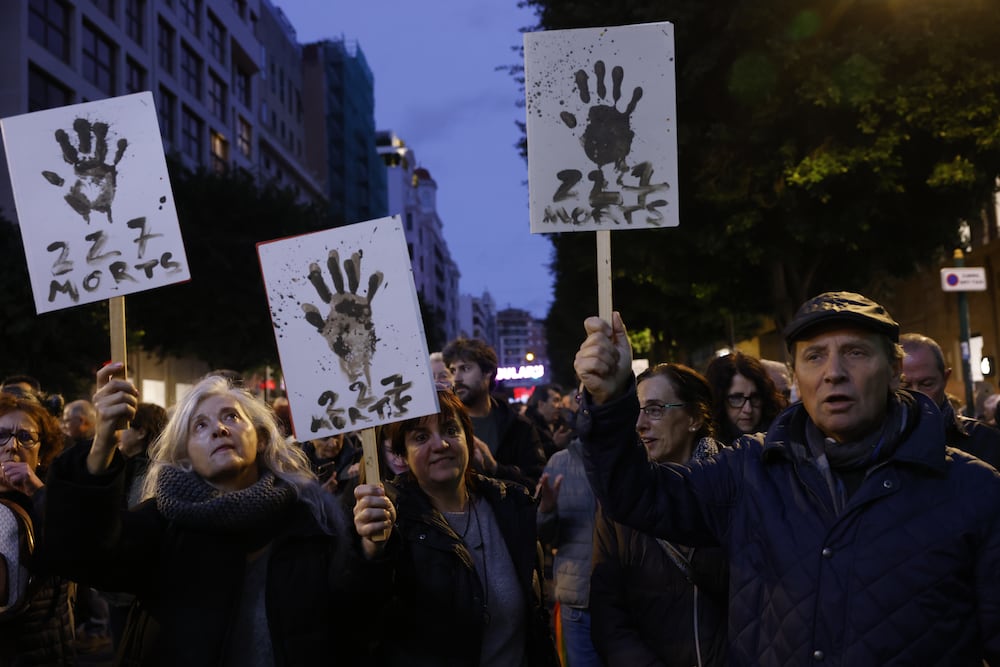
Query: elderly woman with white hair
[[237, 557]]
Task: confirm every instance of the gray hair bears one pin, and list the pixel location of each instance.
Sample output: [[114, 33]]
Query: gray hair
[[288, 462]]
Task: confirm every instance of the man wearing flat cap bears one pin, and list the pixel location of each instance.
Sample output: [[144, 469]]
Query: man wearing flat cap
[[855, 536]]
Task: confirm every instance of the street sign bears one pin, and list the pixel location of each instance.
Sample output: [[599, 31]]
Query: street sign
[[963, 279]]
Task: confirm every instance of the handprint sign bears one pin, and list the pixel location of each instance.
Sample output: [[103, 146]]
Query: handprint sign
[[348, 328], [96, 180], [607, 138]]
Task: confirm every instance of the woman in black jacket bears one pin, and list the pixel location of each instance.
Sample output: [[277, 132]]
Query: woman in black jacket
[[467, 586], [238, 557], [35, 630]]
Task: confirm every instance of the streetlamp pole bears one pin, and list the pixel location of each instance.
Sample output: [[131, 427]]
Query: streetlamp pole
[[963, 324]]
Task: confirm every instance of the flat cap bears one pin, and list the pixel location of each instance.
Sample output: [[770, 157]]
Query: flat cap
[[847, 308]]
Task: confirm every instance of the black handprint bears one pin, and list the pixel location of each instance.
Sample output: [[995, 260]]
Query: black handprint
[[608, 136], [96, 181], [348, 329]]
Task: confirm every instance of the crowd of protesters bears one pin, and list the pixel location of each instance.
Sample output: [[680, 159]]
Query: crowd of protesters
[[835, 509]]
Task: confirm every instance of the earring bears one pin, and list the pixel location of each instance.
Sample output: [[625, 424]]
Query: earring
[[691, 428]]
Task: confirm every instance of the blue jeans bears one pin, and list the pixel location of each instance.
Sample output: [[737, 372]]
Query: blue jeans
[[576, 635]]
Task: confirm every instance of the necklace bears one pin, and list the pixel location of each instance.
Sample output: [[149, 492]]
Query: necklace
[[484, 577]]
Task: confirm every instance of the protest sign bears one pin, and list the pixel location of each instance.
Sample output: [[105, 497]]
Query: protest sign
[[93, 201], [348, 328], [601, 128]]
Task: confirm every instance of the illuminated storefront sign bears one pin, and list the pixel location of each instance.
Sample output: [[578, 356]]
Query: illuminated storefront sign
[[521, 372]]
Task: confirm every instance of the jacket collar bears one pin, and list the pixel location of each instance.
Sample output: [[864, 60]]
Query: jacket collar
[[923, 442]]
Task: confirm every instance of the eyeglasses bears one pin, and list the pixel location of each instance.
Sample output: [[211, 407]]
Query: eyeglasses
[[739, 400], [24, 438], [656, 411]]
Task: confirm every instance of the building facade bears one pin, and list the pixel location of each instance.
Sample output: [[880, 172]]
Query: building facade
[[522, 349], [412, 194], [477, 317], [340, 116]]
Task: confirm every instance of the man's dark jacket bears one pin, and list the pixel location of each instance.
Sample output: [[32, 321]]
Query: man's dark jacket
[[972, 436], [906, 574], [519, 453]]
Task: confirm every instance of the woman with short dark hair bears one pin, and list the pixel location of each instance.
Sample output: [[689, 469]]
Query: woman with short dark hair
[[468, 571]]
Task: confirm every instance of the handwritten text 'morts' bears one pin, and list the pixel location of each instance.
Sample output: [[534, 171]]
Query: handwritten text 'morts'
[[605, 204], [102, 263]]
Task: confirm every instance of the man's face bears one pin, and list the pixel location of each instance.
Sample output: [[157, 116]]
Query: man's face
[[844, 378], [921, 373], [471, 384], [549, 407], [73, 423]]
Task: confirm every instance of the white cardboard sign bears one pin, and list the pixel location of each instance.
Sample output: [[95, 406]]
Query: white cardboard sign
[[601, 128], [93, 201], [347, 323]]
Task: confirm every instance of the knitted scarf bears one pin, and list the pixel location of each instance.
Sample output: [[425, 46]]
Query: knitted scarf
[[192, 502]]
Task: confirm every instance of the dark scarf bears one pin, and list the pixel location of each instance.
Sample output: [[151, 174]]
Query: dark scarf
[[850, 461], [187, 499]]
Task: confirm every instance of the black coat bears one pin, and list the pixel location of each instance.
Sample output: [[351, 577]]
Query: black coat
[[519, 454], [41, 633], [437, 613], [189, 581], [644, 612]]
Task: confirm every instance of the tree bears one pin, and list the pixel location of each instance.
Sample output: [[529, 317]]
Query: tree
[[221, 316], [820, 147]]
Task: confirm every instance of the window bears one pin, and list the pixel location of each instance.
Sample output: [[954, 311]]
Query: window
[[48, 24], [191, 14], [217, 96], [240, 7], [106, 6], [242, 79], [45, 92], [244, 136], [190, 71], [135, 80], [98, 59], [167, 112], [135, 11], [220, 153], [191, 127], [165, 46], [217, 38]]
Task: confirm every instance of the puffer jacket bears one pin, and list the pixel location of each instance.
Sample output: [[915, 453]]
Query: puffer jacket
[[570, 527], [906, 574], [437, 616]]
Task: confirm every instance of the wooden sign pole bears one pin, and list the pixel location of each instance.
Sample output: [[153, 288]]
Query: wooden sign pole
[[369, 450], [604, 307], [116, 311]]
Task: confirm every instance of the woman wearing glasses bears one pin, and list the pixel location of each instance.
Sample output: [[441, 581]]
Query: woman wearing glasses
[[41, 632], [653, 602], [745, 399]]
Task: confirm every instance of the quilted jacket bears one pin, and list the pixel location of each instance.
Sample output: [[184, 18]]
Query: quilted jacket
[[570, 527], [907, 574]]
